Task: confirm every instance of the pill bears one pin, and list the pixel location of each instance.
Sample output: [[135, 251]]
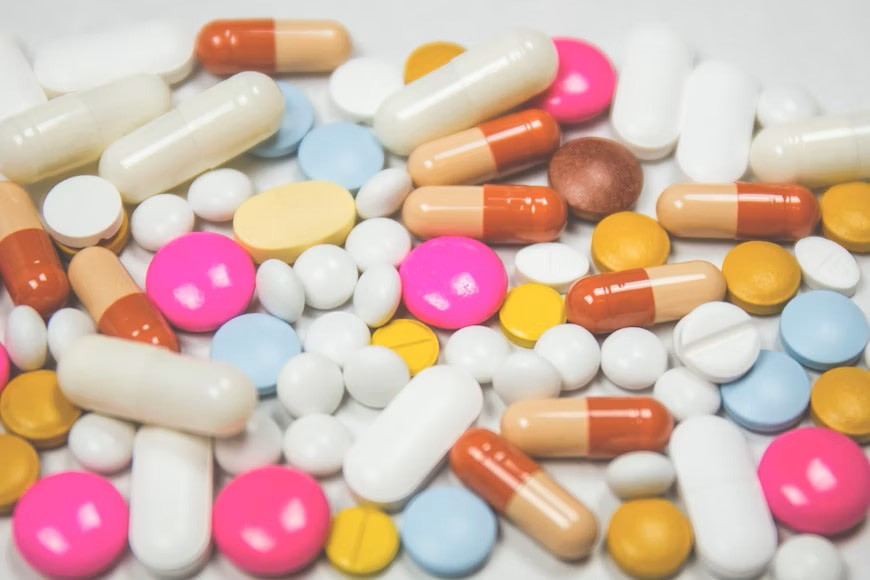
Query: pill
[[378, 241], [491, 150], [573, 351], [113, 299], [761, 277], [296, 124], [551, 263], [526, 375], [374, 375], [489, 79], [412, 340], [633, 358], [399, 450], [280, 290], [24, 90], [284, 221], [686, 395], [20, 470], [739, 210], [363, 540], [337, 335], [518, 214], [808, 557], [528, 311], [272, 46], [610, 180], [655, 65], [383, 194], [217, 194], [258, 445], [478, 349], [4, 367], [328, 274], [642, 297], [377, 295], [29, 265], [639, 474], [343, 153], [34, 407], [826, 265], [34, 144], [627, 240], [114, 244], [310, 383], [360, 85], [171, 469], [584, 84], [781, 104], [317, 444], [82, 211], [734, 532], [26, 338], [840, 400], [160, 219], [201, 133], [596, 427], [518, 488], [102, 444], [845, 208], [153, 385], [428, 57]]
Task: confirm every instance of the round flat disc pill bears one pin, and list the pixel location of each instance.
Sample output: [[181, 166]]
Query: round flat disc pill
[[526, 375], [160, 219], [686, 395], [479, 349], [374, 375], [114, 244], [297, 122], [26, 338], [846, 215], [778, 105], [552, 263], [628, 240], [574, 352], [428, 57], [337, 335], [4, 367], [826, 265], [257, 446], [633, 358], [343, 153], [761, 277], [328, 275], [378, 241], [640, 474], [102, 444], [34, 407], [528, 311], [18, 470], [280, 290], [360, 85], [840, 400], [377, 295], [410, 339], [217, 194], [83, 210], [310, 383], [363, 540], [808, 557], [383, 194], [317, 444], [66, 325]]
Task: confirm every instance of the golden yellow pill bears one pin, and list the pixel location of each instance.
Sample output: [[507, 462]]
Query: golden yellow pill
[[412, 340], [649, 538], [363, 540], [840, 400], [846, 215], [529, 310], [19, 469], [761, 277], [114, 244], [428, 57], [628, 240], [33, 406]]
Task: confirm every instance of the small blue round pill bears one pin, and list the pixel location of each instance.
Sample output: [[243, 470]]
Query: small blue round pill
[[258, 345], [823, 329], [344, 153], [448, 531], [298, 121]]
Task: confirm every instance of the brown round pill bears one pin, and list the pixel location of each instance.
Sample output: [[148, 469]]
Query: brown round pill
[[597, 177]]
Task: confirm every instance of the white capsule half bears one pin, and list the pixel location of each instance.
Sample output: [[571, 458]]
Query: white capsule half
[[21, 89]]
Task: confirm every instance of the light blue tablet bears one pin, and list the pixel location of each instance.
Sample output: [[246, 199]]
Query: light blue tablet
[[298, 121], [344, 153]]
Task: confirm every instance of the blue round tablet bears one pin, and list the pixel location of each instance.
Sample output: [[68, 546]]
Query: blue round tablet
[[344, 153], [823, 329], [448, 531], [258, 345], [298, 120], [771, 397]]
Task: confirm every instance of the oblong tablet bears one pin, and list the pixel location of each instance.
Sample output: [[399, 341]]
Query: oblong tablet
[[407, 441], [21, 89], [734, 532]]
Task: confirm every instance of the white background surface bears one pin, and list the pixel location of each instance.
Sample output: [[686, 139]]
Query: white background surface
[[822, 46]]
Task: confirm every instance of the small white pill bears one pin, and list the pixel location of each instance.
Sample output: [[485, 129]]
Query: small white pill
[[66, 325], [359, 86], [525, 375], [160, 219], [378, 241], [82, 211], [633, 358], [377, 295], [328, 274], [310, 383], [808, 557], [640, 474], [258, 445], [280, 290], [554, 264], [216, 195], [686, 395], [778, 105], [374, 375], [478, 349], [383, 194], [337, 335], [317, 444], [826, 265], [102, 444], [574, 352], [26, 339]]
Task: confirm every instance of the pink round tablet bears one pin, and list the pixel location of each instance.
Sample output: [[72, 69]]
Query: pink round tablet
[[71, 525], [271, 521], [584, 84], [4, 367], [200, 280], [453, 282], [816, 480]]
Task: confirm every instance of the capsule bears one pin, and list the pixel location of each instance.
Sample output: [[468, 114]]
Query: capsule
[[72, 130], [226, 47], [594, 427], [29, 264], [494, 149], [644, 296], [476, 85], [521, 214], [738, 211], [113, 299], [518, 488]]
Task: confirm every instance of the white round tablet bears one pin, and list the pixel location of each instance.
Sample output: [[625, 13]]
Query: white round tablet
[[574, 352], [640, 474], [328, 274], [26, 339], [360, 85], [216, 195], [160, 219], [280, 290], [377, 295], [310, 383], [337, 335], [686, 395], [66, 325], [83, 210], [378, 241], [554, 264], [374, 375], [257, 446], [478, 349], [826, 265], [717, 341], [524, 375], [102, 444], [317, 444], [808, 557], [784, 104], [633, 358], [383, 194]]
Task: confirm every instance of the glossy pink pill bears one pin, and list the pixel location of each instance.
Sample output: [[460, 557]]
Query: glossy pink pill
[[71, 525], [271, 521], [4, 367], [816, 480], [453, 282], [200, 280]]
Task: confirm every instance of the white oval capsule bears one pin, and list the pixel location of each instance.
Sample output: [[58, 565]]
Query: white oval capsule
[[151, 384], [826, 265], [734, 532], [21, 89], [377, 295], [65, 326], [639, 474], [476, 85], [102, 444], [170, 500], [203, 132], [408, 440], [26, 338]]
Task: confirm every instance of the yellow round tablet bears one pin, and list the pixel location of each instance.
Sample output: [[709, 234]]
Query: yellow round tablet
[[362, 541], [649, 538], [628, 240], [761, 277], [846, 215], [284, 221], [529, 310], [33, 406], [840, 400], [430, 56], [412, 340], [114, 244], [19, 469]]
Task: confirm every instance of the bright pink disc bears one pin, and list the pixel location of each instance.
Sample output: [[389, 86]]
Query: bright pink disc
[[4, 368]]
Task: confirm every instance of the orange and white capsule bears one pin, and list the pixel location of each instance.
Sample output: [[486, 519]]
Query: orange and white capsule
[[493, 149], [517, 487]]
